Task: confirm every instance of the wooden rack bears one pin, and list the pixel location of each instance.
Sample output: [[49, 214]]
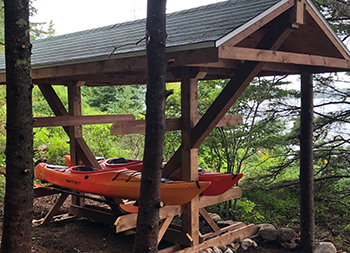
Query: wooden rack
[[167, 231]]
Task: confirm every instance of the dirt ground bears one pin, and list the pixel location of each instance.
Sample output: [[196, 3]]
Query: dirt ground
[[82, 235]]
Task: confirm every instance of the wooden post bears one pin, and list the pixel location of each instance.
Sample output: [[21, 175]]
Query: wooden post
[[74, 109], [307, 215], [189, 168]]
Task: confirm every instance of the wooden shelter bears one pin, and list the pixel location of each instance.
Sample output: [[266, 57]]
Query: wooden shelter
[[236, 40]]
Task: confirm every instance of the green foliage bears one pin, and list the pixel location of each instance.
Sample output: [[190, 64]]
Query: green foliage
[[116, 99]]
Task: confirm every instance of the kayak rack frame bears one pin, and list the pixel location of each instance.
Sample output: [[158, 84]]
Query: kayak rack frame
[[124, 221]]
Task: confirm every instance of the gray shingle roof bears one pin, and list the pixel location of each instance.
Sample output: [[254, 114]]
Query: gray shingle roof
[[189, 27]]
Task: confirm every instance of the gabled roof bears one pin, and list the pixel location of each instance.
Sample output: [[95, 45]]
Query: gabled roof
[[185, 28], [217, 37]]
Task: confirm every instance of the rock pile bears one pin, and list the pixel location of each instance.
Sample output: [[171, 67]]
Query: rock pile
[[266, 232]]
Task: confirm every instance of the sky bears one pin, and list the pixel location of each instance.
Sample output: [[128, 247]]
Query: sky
[[77, 15]]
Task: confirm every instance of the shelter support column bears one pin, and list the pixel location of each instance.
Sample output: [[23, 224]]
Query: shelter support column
[[74, 132], [189, 168], [307, 214], [74, 107]]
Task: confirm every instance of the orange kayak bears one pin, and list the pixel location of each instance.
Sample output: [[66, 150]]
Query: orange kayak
[[220, 182], [121, 183]]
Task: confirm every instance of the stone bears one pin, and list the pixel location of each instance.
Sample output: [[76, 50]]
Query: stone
[[324, 247], [228, 250], [239, 240], [285, 234], [235, 245], [207, 250], [268, 232], [222, 248], [215, 217], [231, 247], [289, 245], [247, 243], [216, 250]]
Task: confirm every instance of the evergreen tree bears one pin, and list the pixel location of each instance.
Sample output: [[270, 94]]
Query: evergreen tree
[[16, 236]]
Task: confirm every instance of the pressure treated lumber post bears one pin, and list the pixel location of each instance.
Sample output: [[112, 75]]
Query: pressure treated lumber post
[[307, 218], [74, 109], [189, 168]]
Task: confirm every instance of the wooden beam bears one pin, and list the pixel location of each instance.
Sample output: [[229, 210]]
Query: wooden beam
[[235, 226], [299, 13], [208, 219], [128, 221], [80, 120], [224, 239], [121, 65], [74, 109], [252, 27], [59, 110], [53, 210], [53, 100], [273, 39], [93, 213], [189, 168], [138, 126], [85, 153], [249, 54], [163, 227], [170, 249], [232, 193]]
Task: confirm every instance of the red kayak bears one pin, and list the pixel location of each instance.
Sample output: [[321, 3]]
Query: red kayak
[[220, 182], [120, 162]]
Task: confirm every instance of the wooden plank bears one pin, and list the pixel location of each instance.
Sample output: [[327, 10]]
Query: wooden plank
[[54, 208], [222, 230], [299, 12], [170, 249], [53, 100], [163, 227], [74, 109], [249, 54], [59, 110], [208, 219], [128, 221], [125, 222], [233, 193], [86, 155], [93, 214], [189, 168], [138, 126], [228, 96], [80, 120], [41, 191], [222, 240], [254, 26]]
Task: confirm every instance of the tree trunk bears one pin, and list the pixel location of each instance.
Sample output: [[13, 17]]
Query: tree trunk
[[307, 214], [16, 235], [146, 239]]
